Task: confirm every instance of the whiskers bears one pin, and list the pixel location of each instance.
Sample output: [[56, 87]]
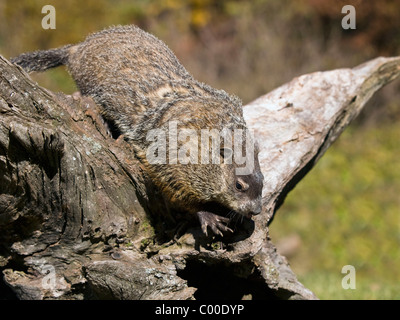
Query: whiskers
[[234, 217]]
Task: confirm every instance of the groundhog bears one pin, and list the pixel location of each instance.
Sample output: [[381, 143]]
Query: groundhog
[[186, 134]]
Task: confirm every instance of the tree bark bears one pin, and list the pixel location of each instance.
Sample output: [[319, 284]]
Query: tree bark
[[74, 202]]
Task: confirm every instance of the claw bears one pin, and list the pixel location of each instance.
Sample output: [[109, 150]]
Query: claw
[[215, 222]]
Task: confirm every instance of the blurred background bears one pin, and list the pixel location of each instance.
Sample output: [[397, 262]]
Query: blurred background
[[347, 209]]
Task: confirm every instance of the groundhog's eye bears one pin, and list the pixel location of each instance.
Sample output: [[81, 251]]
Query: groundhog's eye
[[239, 186]]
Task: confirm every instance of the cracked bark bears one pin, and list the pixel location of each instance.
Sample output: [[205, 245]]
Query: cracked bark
[[74, 203]]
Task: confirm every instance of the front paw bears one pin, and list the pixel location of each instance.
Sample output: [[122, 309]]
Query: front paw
[[215, 222]]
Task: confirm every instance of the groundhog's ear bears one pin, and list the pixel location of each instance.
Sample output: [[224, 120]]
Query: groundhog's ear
[[225, 153]]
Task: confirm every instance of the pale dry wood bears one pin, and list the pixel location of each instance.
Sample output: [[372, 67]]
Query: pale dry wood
[[75, 199]]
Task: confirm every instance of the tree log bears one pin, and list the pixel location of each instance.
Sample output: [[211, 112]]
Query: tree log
[[75, 203]]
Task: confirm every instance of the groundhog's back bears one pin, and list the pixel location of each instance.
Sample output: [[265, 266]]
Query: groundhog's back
[[122, 66]]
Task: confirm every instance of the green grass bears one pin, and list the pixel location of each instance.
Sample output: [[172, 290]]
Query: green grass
[[328, 285], [56, 80], [346, 211]]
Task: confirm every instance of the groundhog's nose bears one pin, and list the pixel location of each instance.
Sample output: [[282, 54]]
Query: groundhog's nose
[[257, 210]]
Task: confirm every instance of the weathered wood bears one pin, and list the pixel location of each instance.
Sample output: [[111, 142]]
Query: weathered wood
[[74, 202]]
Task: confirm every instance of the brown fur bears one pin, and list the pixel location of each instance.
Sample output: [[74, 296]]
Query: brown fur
[[141, 85]]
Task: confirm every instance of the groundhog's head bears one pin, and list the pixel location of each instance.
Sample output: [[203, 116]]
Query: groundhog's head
[[243, 184]]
